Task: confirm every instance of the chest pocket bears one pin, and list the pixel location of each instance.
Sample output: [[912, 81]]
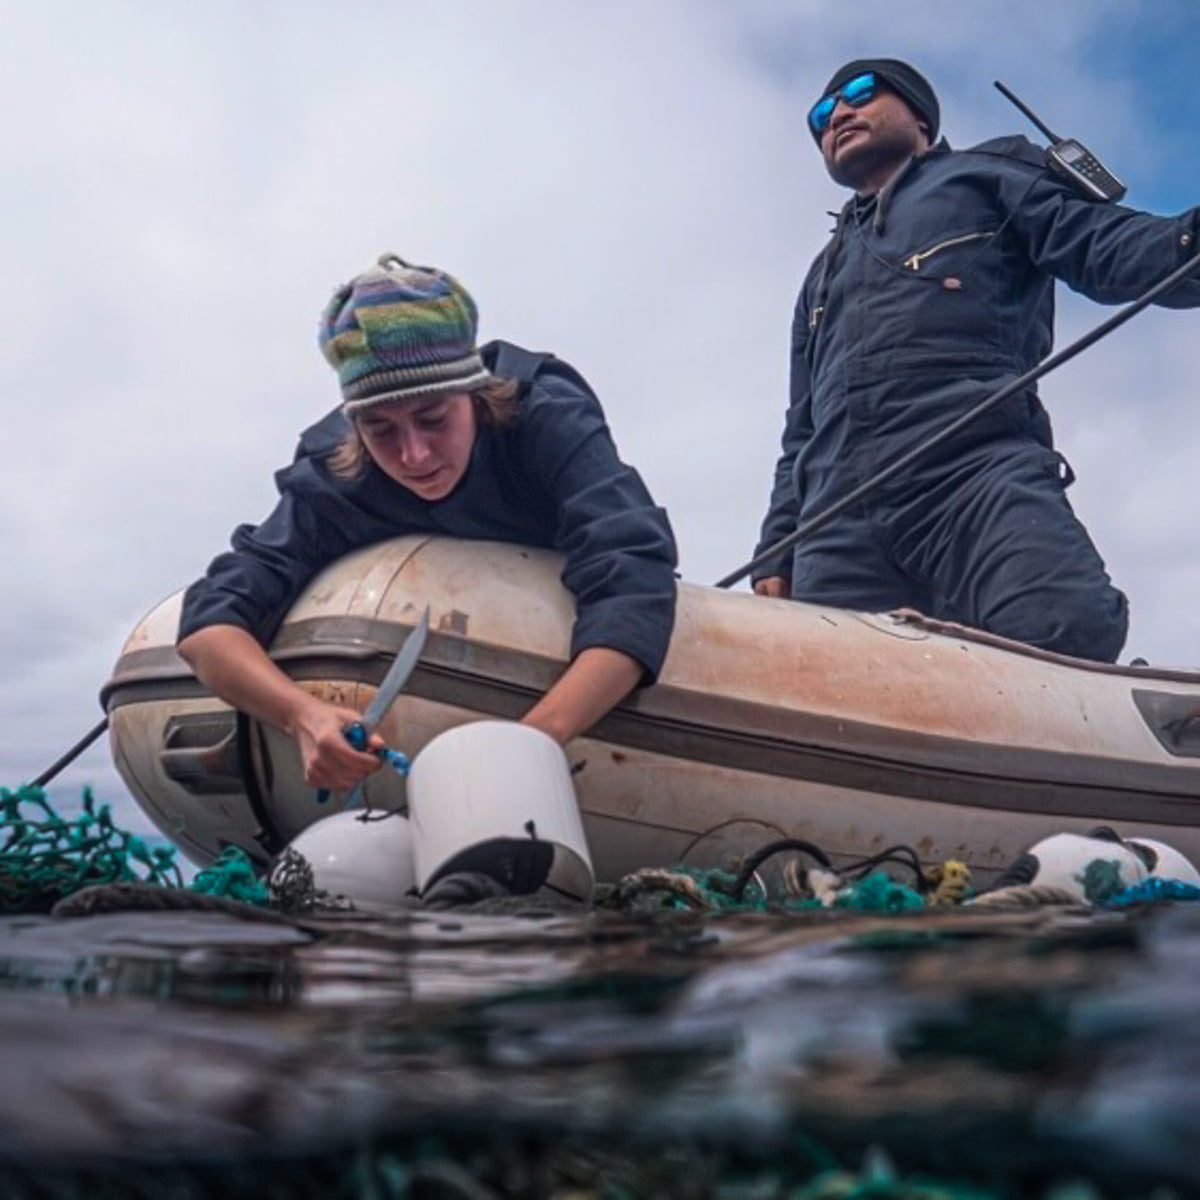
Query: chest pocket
[[954, 311], [919, 260]]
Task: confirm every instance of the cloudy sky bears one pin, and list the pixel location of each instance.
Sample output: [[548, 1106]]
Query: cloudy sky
[[627, 183]]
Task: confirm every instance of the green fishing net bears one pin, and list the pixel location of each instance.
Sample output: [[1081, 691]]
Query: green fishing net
[[46, 857]]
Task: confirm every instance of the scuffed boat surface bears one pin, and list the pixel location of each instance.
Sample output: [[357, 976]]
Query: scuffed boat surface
[[855, 731]]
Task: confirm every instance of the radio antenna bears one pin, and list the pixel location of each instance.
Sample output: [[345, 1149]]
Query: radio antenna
[[1026, 110]]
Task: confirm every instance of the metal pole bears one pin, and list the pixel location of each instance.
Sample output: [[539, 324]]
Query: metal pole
[[71, 755]]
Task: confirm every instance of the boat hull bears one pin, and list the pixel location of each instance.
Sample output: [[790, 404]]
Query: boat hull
[[771, 719]]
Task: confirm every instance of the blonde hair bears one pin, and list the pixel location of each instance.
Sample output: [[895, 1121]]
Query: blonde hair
[[494, 405]]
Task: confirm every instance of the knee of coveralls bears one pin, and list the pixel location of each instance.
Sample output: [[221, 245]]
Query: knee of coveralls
[[845, 565], [1007, 554], [1089, 623]]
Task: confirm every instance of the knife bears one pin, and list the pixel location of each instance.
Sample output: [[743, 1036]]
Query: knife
[[397, 675]]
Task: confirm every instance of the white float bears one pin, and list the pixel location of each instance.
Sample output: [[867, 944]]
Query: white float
[[1165, 862], [364, 855], [497, 797]]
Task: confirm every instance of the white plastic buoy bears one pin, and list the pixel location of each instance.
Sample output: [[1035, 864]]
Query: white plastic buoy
[[496, 797], [1090, 866], [1165, 861], [366, 856]]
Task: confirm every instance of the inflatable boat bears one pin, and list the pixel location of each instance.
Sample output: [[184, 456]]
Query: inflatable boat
[[772, 718]]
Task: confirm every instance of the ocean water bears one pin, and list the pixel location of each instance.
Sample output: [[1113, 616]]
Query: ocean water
[[539, 1052]]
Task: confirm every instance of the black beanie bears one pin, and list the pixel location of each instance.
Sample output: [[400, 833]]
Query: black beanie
[[912, 87]]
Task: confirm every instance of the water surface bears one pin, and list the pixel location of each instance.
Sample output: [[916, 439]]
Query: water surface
[[1013, 1050]]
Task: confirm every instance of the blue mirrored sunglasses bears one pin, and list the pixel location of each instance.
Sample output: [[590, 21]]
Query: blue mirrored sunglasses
[[855, 92]]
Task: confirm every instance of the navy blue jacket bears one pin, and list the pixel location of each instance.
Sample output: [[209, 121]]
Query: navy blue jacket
[[551, 478], [934, 294]]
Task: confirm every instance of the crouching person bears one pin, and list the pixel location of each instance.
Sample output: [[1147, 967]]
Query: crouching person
[[435, 435]]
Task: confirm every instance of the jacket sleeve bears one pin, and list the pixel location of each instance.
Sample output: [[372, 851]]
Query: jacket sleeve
[[620, 551], [783, 509], [254, 584], [1109, 253]]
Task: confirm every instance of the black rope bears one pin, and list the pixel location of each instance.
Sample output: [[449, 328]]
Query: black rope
[[146, 897], [807, 528], [760, 856], [900, 854], [904, 856], [71, 755]]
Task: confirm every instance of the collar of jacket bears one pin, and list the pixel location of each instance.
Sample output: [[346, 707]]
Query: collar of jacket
[[849, 212], [884, 195]]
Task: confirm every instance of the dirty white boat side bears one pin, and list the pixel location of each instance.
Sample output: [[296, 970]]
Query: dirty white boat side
[[771, 718]]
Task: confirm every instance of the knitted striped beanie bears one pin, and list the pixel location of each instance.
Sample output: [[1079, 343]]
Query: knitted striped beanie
[[397, 330]]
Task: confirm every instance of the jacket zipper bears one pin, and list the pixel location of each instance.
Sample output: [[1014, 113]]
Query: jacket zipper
[[914, 261]]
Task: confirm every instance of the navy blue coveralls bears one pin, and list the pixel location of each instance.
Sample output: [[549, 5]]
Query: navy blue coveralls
[[550, 478], [929, 297]]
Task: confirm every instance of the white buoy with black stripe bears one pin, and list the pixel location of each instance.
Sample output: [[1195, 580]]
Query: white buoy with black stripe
[[496, 798]]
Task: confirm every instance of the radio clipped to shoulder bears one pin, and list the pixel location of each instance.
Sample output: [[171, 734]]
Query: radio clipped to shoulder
[[1073, 161]]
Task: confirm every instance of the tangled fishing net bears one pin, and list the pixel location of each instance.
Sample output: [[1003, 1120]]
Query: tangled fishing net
[[46, 858], [531, 1168]]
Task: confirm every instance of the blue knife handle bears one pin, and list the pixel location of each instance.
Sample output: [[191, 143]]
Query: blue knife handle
[[356, 734]]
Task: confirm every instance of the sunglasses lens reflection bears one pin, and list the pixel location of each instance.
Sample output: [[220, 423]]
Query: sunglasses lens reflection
[[821, 112], [856, 91], [859, 90]]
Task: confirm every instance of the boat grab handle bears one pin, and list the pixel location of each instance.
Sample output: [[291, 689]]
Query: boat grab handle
[[1173, 718], [200, 753]]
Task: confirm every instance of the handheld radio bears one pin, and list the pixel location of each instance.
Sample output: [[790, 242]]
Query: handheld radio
[[1073, 160]]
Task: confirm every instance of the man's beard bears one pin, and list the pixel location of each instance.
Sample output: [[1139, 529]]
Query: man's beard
[[882, 150]]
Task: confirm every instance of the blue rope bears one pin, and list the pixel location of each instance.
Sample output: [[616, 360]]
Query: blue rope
[[1154, 891]]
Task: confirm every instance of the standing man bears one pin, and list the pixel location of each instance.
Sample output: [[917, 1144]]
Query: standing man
[[937, 289]]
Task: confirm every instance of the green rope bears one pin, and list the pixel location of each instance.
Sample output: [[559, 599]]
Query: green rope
[[45, 857], [478, 1167], [845, 1185], [879, 893], [716, 885], [233, 876], [874, 893]]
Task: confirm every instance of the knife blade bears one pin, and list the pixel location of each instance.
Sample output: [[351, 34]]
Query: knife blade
[[389, 688], [397, 674]]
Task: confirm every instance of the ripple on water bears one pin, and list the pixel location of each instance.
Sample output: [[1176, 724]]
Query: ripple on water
[[970, 1041]]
